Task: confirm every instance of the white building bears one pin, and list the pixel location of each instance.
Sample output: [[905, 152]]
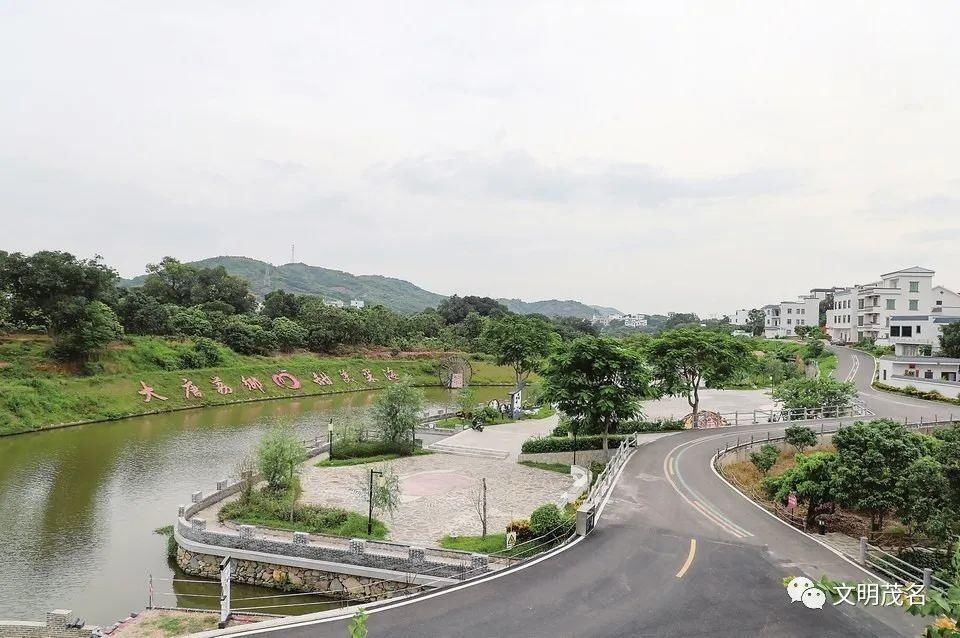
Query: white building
[[741, 317], [864, 311], [781, 319], [356, 303], [335, 303], [635, 321]]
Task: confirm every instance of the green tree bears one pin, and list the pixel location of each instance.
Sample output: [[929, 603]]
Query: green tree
[[189, 322], [396, 413], [278, 303], [813, 349], [520, 342], [288, 334], [245, 336], [686, 359], [800, 437], [756, 321], [142, 314], [815, 394], [870, 459], [765, 458], [925, 500], [81, 330], [279, 455], [810, 478], [950, 340], [598, 382], [455, 309]]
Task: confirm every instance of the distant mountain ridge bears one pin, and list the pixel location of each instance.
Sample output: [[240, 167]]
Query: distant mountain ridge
[[396, 294]]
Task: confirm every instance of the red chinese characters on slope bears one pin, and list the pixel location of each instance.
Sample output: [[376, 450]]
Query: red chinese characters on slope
[[282, 379]]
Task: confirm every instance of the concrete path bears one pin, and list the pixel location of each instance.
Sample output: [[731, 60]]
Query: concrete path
[[505, 437], [721, 401]]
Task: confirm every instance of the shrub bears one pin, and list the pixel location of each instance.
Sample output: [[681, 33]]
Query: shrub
[[522, 528], [563, 444], [205, 354], [278, 456], [765, 458], [660, 425], [546, 519], [365, 449], [800, 437]]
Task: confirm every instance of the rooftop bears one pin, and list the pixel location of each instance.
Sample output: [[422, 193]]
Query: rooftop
[[912, 270], [920, 359]]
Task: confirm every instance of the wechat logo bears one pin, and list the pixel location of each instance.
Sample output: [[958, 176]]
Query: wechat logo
[[803, 589]]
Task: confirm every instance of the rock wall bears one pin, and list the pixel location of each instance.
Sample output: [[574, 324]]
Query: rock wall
[[341, 586], [54, 627]]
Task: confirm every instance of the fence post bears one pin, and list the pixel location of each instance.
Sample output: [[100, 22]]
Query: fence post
[[768, 436], [862, 555], [754, 417], [921, 420], [751, 440], [927, 573]]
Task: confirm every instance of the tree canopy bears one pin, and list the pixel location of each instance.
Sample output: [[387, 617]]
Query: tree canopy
[[814, 393], [521, 342], [598, 382], [950, 340], [686, 359]]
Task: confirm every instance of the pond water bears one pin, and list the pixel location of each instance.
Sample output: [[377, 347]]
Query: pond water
[[79, 506]]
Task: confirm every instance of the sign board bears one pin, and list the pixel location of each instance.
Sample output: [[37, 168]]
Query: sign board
[[516, 401], [511, 539], [792, 501], [226, 571], [456, 380]]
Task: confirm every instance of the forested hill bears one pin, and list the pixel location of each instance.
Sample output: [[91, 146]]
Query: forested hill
[[396, 294], [557, 308]]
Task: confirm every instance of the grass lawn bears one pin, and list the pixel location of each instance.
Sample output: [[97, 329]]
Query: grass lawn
[[828, 363], [37, 392], [492, 543], [265, 509], [377, 458], [562, 468]]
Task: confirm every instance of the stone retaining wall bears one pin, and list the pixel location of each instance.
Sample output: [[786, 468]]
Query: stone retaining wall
[[584, 457], [287, 578], [54, 627], [402, 558]]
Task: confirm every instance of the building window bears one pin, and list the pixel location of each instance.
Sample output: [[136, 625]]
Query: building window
[[894, 331], [789, 311], [928, 374], [860, 320], [939, 302], [918, 329], [914, 286], [914, 304], [860, 304], [906, 331], [891, 304], [789, 321]]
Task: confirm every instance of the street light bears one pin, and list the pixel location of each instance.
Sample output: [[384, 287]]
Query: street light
[[370, 510], [330, 440]]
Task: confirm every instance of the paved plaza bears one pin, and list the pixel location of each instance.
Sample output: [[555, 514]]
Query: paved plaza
[[722, 401], [436, 493]]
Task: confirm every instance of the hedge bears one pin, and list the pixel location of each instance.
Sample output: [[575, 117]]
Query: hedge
[[563, 444], [911, 391], [660, 425]]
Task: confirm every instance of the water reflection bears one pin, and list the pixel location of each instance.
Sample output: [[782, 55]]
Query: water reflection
[[78, 506]]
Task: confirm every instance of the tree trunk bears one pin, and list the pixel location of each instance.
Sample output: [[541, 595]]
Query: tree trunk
[[812, 506], [483, 522], [694, 401]]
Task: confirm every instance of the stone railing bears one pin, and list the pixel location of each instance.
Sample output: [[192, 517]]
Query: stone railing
[[356, 552], [58, 625], [374, 554]]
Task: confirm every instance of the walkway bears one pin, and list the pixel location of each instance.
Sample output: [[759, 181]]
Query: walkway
[[505, 437]]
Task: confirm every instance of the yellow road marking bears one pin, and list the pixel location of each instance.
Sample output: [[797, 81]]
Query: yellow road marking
[[686, 565]]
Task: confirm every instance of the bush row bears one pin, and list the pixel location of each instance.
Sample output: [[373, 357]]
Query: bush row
[[911, 391], [543, 444], [364, 449], [659, 425]]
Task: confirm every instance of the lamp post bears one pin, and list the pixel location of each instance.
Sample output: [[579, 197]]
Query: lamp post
[[330, 440], [370, 509], [573, 426]]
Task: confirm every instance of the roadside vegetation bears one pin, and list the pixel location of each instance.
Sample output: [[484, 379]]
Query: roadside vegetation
[[878, 479]]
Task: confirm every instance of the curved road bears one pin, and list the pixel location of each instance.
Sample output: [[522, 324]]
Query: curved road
[[677, 553]]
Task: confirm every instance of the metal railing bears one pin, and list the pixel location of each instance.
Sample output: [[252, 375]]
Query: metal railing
[[871, 556], [605, 479], [856, 409]]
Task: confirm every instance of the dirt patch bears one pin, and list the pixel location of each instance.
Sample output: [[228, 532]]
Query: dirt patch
[[167, 623]]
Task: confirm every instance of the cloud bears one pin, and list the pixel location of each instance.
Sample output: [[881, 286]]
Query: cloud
[[940, 205], [518, 176], [932, 235]]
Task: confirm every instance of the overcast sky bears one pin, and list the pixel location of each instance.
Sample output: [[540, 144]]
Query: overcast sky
[[651, 156]]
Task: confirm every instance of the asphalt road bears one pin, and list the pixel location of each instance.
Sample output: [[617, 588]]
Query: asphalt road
[[676, 553]]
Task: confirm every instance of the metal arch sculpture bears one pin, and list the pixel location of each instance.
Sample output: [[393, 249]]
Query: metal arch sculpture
[[451, 365]]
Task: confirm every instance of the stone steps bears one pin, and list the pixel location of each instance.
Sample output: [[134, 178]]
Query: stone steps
[[462, 450]]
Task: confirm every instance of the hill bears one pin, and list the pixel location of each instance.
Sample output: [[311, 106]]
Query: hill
[[396, 294], [556, 308]]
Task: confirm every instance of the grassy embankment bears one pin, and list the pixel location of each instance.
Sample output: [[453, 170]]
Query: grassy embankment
[[768, 351], [37, 392]]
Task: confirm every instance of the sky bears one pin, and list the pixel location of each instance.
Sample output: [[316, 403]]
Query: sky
[[652, 156]]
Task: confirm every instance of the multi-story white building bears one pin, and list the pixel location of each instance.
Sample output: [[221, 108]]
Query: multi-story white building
[[781, 319], [864, 311], [335, 303], [356, 303], [635, 321], [741, 317]]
